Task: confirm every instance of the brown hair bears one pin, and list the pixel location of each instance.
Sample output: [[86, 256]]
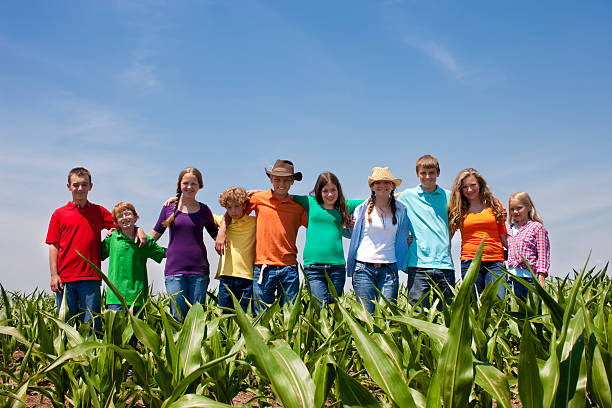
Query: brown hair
[[428, 162], [392, 204], [122, 206], [458, 205], [340, 204], [524, 199], [233, 195], [79, 172], [189, 170]]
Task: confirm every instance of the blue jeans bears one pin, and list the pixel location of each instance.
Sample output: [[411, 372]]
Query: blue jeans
[[318, 281], [485, 275], [182, 287], [519, 290], [422, 280], [269, 285], [240, 287], [82, 297], [367, 278], [119, 309]]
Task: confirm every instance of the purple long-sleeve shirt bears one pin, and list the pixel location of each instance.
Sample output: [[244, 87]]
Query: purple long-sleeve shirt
[[186, 250]]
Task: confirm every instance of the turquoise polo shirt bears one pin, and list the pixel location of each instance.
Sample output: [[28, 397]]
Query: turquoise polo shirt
[[431, 247]]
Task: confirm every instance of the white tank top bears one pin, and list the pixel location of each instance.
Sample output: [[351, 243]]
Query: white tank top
[[378, 243]]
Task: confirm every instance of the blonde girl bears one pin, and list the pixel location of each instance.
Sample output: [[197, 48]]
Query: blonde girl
[[528, 244], [473, 210], [187, 267]]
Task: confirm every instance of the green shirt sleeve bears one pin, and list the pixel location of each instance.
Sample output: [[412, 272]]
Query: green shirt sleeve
[[105, 248], [301, 200], [156, 252], [352, 204]]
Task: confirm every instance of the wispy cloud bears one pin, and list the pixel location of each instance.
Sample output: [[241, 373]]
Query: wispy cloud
[[141, 74], [439, 53]]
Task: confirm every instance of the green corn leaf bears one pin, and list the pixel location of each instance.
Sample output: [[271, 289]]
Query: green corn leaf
[[579, 398], [146, 335], [434, 398], [379, 365], [456, 359], [189, 343], [494, 382], [352, 393], [295, 369], [572, 356], [197, 401], [323, 378], [549, 375], [530, 385], [77, 351], [72, 334], [601, 384]]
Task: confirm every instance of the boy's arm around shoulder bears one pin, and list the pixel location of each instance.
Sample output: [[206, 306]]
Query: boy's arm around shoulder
[[155, 251]]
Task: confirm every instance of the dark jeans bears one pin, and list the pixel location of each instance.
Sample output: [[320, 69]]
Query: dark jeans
[[240, 287], [318, 281], [270, 284], [367, 278], [186, 286], [519, 290], [119, 309], [486, 275], [83, 297], [422, 280]]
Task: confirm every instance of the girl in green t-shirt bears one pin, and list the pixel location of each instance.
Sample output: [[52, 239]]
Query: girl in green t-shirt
[[328, 214]]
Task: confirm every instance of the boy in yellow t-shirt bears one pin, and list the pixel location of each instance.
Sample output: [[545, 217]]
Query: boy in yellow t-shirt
[[235, 270]]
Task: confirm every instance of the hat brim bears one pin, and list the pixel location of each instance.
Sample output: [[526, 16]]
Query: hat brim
[[296, 176], [396, 182]]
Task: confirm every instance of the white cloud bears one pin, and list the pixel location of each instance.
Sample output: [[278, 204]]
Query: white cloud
[[438, 53], [141, 75]]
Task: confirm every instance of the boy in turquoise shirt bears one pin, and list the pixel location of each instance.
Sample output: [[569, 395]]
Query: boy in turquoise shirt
[[429, 261], [127, 268]]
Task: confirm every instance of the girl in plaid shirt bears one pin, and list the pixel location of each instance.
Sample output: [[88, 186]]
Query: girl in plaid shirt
[[528, 244]]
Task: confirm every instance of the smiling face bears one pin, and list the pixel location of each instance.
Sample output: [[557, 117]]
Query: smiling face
[[428, 178], [79, 186], [126, 220], [281, 185], [382, 188], [470, 188], [519, 211], [329, 194], [189, 185]]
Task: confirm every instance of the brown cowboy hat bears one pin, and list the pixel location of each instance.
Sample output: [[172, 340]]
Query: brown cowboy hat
[[383, 174], [284, 168]]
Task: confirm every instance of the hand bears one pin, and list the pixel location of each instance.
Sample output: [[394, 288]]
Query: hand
[[251, 192], [110, 232], [220, 243], [141, 238], [169, 201], [542, 279], [56, 284], [410, 239]]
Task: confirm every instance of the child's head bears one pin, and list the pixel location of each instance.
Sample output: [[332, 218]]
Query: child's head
[[282, 177], [521, 209], [79, 184], [328, 192], [125, 216], [189, 182], [471, 185], [234, 200], [383, 185], [428, 170]]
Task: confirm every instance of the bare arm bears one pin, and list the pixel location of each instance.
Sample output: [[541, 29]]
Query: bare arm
[[56, 282], [504, 240], [155, 235], [221, 241], [141, 237]]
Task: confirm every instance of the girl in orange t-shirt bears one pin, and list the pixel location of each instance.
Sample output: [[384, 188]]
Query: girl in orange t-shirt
[[474, 211]]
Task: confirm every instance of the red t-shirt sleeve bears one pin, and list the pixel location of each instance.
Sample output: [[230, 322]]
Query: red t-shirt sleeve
[[53, 233], [107, 217]]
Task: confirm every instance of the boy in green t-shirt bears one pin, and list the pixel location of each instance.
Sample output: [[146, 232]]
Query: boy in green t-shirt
[[127, 268]]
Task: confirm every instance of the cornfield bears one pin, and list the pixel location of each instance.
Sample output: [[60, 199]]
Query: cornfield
[[552, 351]]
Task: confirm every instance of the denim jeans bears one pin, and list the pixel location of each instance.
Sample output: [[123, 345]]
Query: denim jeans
[[270, 284], [186, 286], [318, 281], [240, 287], [485, 277], [119, 309], [519, 290], [422, 280], [367, 277], [83, 297]]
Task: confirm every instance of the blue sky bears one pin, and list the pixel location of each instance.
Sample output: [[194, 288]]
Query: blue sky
[[137, 90]]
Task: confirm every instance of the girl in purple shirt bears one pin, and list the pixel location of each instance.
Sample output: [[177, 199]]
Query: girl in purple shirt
[[187, 268]]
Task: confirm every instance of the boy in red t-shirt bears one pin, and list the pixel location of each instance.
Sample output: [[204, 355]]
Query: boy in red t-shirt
[[77, 227]]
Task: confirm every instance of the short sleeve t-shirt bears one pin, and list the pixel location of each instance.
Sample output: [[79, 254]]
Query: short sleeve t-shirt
[[278, 223], [73, 228], [479, 226], [127, 267], [237, 260], [324, 233], [186, 251]]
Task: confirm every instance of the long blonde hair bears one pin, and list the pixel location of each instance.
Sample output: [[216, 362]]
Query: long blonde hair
[[524, 199], [189, 170], [458, 205]]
